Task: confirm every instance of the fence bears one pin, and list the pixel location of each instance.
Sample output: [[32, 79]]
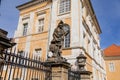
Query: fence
[[17, 67]]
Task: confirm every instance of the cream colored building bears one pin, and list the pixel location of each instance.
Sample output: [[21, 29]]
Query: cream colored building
[[39, 18]]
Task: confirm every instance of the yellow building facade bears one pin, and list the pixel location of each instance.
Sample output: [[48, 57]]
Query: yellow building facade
[[112, 60], [113, 68], [39, 18]]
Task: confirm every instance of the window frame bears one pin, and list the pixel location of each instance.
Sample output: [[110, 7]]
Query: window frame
[[67, 38], [40, 27], [111, 67], [36, 52], [40, 15], [25, 29], [67, 41], [64, 7]]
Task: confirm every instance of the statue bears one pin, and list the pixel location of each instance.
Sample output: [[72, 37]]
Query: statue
[[58, 39]]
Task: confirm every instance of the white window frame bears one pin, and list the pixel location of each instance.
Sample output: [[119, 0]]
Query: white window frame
[[25, 29], [67, 40], [37, 53], [67, 37], [111, 67], [64, 6], [40, 27], [40, 16], [25, 19]]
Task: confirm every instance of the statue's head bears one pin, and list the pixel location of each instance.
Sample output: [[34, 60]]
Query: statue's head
[[60, 24]]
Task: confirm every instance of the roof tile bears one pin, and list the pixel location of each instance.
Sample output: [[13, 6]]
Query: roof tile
[[113, 50]]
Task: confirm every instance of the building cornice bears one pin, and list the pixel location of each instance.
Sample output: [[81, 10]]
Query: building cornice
[[30, 3], [112, 57], [93, 15]]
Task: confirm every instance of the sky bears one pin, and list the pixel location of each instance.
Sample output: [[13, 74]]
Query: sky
[[107, 13]]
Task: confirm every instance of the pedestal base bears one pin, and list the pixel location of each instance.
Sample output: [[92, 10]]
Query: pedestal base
[[59, 68], [85, 75], [56, 59]]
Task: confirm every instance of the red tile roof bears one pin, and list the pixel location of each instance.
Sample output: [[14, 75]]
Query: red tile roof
[[113, 50]]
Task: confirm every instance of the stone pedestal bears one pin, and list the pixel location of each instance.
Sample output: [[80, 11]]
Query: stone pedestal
[[59, 68], [85, 75]]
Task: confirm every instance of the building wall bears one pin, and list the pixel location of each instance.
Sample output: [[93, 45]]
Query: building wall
[[33, 39], [113, 75], [84, 33]]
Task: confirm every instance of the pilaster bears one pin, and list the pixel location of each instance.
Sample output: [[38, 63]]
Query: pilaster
[[53, 18], [75, 30]]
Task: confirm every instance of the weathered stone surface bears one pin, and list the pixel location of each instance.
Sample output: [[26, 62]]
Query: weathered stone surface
[[59, 69], [58, 39]]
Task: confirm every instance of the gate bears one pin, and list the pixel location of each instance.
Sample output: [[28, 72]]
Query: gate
[[73, 75], [18, 67]]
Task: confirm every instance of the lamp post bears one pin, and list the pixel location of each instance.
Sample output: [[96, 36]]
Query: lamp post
[[84, 74], [81, 60]]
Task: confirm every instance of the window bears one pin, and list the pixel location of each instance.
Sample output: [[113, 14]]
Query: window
[[67, 40], [111, 67], [64, 6], [38, 52], [40, 25], [25, 29], [21, 55], [67, 36]]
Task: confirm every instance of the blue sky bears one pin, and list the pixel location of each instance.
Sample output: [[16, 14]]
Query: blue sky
[[108, 15], [9, 15], [107, 12]]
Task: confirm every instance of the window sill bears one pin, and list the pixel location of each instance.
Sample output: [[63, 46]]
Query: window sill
[[60, 14], [40, 32]]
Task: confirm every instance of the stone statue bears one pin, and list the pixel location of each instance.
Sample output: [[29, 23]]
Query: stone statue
[[58, 39]]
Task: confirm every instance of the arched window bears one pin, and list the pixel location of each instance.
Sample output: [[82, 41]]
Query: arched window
[[67, 37]]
